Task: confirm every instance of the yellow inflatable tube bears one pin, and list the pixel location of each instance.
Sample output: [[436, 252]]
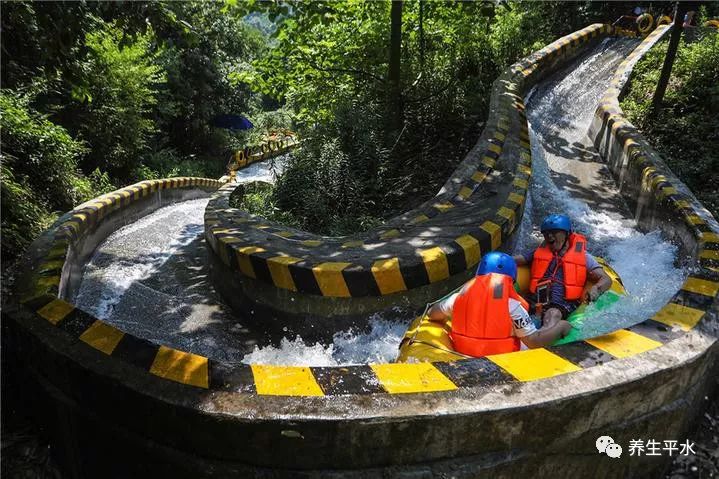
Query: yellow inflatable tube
[[427, 340]]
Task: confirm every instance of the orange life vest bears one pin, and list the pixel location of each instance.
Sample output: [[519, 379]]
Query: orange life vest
[[574, 266], [481, 324]]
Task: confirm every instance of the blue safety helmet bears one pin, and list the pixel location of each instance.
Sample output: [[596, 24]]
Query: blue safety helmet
[[496, 262], [556, 222]]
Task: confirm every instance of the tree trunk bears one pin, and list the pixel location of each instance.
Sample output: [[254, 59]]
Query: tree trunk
[[679, 13], [395, 54]]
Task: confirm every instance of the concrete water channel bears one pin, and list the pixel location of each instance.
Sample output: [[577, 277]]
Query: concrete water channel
[[140, 307]]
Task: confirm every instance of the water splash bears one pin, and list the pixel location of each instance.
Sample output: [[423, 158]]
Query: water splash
[[379, 345], [267, 171], [559, 113], [116, 271]]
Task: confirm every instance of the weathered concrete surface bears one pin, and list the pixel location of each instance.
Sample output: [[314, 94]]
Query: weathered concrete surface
[[315, 282], [138, 408]]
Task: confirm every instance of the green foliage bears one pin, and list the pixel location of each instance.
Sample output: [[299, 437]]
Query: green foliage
[[115, 96], [686, 130], [39, 176]]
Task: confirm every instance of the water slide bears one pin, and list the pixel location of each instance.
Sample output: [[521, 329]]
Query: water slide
[[176, 327]]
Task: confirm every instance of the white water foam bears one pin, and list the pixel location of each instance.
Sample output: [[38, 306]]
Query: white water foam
[[182, 223], [267, 171], [646, 262], [379, 345]]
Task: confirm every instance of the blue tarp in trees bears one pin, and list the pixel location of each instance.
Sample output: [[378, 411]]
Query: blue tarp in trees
[[232, 122]]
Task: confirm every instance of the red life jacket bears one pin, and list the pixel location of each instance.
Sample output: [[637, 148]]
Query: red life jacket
[[481, 324], [574, 266]]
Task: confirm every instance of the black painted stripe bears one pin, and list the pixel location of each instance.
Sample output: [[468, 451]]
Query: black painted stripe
[[360, 281], [76, 322], [413, 271], [692, 300], [136, 351], [347, 380], [474, 372], [35, 304], [657, 331], [260, 267], [484, 239], [304, 278], [582, 354], [231, 377], [456, 262]]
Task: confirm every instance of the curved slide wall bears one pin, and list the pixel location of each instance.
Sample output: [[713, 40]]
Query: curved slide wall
[[129, 406], [307, 284]]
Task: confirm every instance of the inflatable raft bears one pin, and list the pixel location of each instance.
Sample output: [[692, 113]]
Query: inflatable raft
[[427, 340]]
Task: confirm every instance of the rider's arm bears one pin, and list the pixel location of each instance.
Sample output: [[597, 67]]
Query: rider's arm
[[602, 282], [442, 310], [547, 335]]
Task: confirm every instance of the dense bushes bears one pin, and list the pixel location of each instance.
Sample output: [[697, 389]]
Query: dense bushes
[[39, 177], [686, 129], [97, 95]]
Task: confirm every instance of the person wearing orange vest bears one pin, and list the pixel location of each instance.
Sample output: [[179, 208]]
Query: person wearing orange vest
[[560, 267], [489, 316]]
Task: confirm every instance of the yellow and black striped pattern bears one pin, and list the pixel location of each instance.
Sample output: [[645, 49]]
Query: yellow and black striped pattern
[[398, 378], [270, 149], [91, 213], [288, 260], [686, 311]]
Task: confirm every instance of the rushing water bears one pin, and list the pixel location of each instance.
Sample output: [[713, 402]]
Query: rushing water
[[567, 177], [559, 112]]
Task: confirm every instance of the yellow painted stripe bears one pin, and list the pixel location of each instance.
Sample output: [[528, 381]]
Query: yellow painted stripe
[[48, 282], [623, 343], [709, 254], [500, 136], [56, 310], [524, 169], [102, 337], [479, 176], [695, 219], [495, 232], [280, 271], [399, 378], [465, 192], [515, 198], [311, 243], [489, 162], [389, 234], [471, 249], [533, 364], [419, 219], [495, 148], [677, 315], [182, 367], [285, 381], [508, 213], [435, 262], [285, 234], [521, 183], [388, 276], [353, 244], [442, 207], [330, 280], [243, 259], [524, 144], [701, 286], [710, 237]]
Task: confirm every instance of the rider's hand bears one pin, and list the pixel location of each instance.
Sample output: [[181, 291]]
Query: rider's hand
[[592, 294]]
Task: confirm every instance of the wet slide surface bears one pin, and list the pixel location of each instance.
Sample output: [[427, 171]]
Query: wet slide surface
[[158, 288]]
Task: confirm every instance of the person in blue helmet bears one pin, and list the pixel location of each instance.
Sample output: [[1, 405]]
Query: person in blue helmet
[[489, 316], [560, 268]]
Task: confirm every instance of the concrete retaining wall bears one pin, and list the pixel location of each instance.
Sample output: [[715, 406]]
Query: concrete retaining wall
[[316, 285], [122, 405]]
